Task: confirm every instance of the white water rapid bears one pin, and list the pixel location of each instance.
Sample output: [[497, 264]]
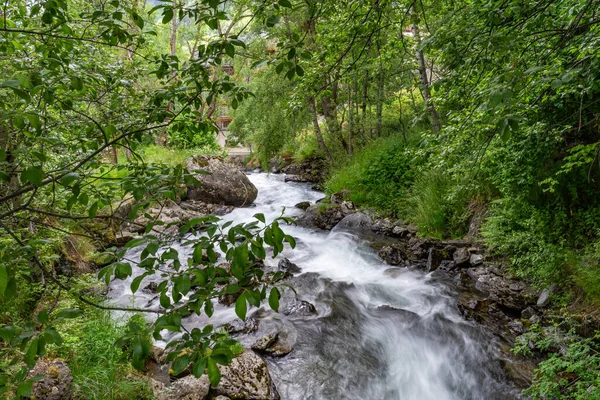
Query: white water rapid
[[379, 333]]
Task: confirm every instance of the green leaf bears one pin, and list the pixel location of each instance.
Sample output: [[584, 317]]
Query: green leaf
[[214, 375], [230, 50], [291, 241], [260, 217], [135, 283], [180, 363], [241, 308], [24, 388], [32, 174], [3, 279], [167, 15], [42, 317], [285, 3], [274, 299], [69, 178]]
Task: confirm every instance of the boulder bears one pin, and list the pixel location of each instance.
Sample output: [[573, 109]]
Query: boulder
[[278, 342], [355, 222], [187, 388], [340, 197], [238, 326], [57, 383], [247, 377], [323, 216], [224, 184], [394, 254]]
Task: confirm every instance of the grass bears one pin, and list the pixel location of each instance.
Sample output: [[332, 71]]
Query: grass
[[167, 155], [379, 176], [101, 371]]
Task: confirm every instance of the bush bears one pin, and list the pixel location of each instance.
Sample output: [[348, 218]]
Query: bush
[[379, 176]]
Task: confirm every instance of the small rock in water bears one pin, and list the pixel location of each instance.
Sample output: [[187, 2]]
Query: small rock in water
[[300, 308], [434, 259], [152, 287], [303, 205], [286, 265], [238, 326]]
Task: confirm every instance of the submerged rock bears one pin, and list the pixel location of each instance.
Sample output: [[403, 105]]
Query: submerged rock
[[396, 254], [224, 183], [299, 308], [303, 205], [286, 265]]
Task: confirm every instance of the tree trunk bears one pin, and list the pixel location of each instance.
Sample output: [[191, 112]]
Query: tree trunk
[[379, 106], [331, 120], [13, 184], [435, 119], [318, 133], [173, 39]]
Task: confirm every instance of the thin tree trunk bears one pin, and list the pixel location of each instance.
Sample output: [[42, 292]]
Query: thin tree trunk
[[435, 119], [379, 106], [173, 38], [13, 182], [318, 133], [350, 118]]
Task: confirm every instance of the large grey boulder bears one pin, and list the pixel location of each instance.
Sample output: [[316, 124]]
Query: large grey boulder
[[222, 184], [355, 222], [247, 377]]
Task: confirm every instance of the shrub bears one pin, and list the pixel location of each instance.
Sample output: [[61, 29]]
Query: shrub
[[379, 176]]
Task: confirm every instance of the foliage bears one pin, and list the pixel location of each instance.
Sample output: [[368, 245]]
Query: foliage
[[571, 369], [379, 176]]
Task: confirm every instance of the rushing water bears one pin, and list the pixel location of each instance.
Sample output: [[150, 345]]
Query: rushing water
[[380, 333]]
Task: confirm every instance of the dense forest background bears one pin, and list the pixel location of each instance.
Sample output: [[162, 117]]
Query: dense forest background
[[435, 112]]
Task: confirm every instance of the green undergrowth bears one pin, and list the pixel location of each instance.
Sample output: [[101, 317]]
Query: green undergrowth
[[100, 369], [378, 176]]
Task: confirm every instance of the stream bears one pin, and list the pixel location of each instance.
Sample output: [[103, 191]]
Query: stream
[[378, 332]]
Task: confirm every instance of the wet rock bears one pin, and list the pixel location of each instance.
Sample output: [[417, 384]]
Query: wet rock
[[347, 207], [186, 388], [286, 265], [152, 287], [434, 259], [303, 205], [224, 184], [394, 255], [461, 257], [247, 377], [535, 319], [383, 226], [279, 342], [323, 216], [57, 383], [419, 247], [476, 260], [400, 231], [544, 298], [221, 398], [238, 326], [229, 299], [355, 222], [299, 308]]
